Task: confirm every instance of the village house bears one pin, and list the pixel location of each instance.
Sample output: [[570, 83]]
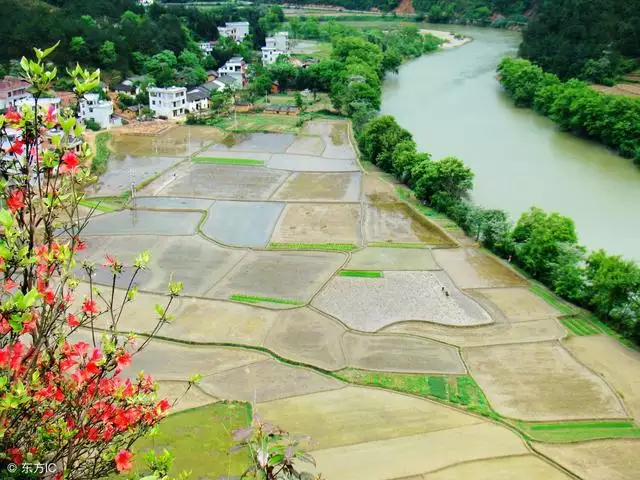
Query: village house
[[206, 47], [275, 46], [235, 67], [168, 102], [235, 30], [100, 111], [12, 90], [43, 102], [198, 99]]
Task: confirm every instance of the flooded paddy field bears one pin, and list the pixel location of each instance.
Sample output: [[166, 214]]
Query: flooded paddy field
[[285, 244]]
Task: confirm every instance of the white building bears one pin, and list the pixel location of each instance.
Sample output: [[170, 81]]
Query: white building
[[168, 102], [206, 47], [146, 3], [99, 111], [235, 67], [12, 90], [270, 55], [275, 46], [43, 102], [198, 99], [234, 30]]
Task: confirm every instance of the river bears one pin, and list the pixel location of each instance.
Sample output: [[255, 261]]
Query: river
[[453, 105]]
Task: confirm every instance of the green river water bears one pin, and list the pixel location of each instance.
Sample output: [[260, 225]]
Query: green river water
[[453, 105]]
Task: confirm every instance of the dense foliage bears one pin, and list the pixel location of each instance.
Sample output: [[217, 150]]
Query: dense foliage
[[544, 245], [610, 119], [587, 39], [120, 37]]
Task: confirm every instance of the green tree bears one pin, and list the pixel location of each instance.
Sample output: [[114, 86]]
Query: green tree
[[391, 61], [541, 239], [108, 55], [379, 139], [447, 178]]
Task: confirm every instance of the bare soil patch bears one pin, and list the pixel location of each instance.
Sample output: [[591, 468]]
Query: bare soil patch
[[377, 190], [265, 381], [381, 258], [597, 460], [618, 364], [308, 163], [320, 223], [398, 223], [282, 275], [413, 455], [307, 146], [167, 361], [228, 182], [320, 186], [540, 381], [472, 268], [368, 304], [496, 334], [306, 336], [527, 467], [519, 304], [362, 414], [389, 353]]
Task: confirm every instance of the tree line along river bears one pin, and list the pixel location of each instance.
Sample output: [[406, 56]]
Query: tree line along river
[[453, 105]]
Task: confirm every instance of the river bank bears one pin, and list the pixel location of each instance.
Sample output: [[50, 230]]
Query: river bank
[[451, 40]]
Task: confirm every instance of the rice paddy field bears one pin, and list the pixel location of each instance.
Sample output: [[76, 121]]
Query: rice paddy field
[[326, 300]]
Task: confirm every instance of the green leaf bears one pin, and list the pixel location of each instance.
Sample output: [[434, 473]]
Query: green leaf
[[6, 219], [159, 309]]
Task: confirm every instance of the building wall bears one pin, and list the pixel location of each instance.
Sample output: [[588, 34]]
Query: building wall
[[168, 103]]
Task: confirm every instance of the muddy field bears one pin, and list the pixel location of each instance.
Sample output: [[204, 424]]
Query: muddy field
[[343, 187], [382, 258], [319, 223], [472, 268], [519, 304], [398, 223], [540, 381]]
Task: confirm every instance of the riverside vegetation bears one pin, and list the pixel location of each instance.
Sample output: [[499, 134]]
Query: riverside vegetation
[[610, 119]]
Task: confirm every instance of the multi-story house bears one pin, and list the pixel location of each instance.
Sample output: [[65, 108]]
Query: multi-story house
[[99, 111], [168, 102], [12, 90], [235, 30], [235, 67], [275, 46]]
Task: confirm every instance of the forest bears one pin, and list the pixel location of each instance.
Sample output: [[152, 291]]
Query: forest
[[595, 40]]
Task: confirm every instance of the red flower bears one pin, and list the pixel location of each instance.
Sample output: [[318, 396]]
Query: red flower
[[111, 261], [15, 201], [10, 285], [69, 163], [82, 348], [72, 320], [4, 326], [67, 364], [90, 307], [79, 245], [16, 147], [163, 406], [123, 360], [123, 461], [49, 297], [16, 455], [13, 116], [50, 118]]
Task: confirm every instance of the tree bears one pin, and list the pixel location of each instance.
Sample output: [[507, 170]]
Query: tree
[[448, 177], [221, 102], [108, 55], [78, 47], [63, 399], [379, 139], [300, 102], [391, 61], [541, 239]]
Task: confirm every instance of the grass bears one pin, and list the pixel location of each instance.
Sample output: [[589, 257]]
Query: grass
[[227, 161], [257, 122], [253, 299], [106, 204], [580, 325], [339, 247], [460, 390], [360, 273], [210, 428], [396, 245], [99, 163], [563, 432], [552, 299], [407, 195]]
